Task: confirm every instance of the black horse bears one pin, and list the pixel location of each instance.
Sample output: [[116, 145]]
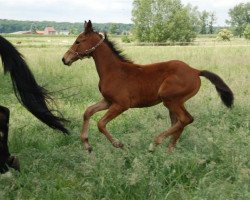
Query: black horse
[[29, 93]]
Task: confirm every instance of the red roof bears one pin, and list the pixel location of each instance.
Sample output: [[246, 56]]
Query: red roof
[[49, 29], [40, 32]]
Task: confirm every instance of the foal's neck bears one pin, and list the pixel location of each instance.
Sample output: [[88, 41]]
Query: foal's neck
[[106, 61]]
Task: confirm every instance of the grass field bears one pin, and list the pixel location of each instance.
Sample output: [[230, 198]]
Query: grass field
[[211, 160]]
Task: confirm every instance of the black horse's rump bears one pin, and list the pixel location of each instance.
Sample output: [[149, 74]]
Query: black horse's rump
[[4, 150], [31, 95], [6, 160]]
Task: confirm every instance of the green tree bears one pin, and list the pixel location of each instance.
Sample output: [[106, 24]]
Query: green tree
[[204, 21], [161, 21], [180, 28], [33, 28], [73, 31], [239, 18], [247, 32], [211, 21], [194, 16], [113, 29], [142, 18]]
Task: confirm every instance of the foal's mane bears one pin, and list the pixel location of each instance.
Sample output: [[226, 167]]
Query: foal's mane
[[118, 52]]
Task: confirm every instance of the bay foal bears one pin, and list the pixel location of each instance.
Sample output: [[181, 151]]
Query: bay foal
[[125, 85]]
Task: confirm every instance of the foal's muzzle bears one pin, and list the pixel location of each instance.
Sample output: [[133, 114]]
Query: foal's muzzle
[[65, 62]]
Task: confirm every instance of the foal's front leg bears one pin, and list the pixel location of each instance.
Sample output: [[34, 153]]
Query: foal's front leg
[[101, 105], [113, 111]]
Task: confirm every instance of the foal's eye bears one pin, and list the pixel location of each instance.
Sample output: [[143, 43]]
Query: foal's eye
[[77, 42]]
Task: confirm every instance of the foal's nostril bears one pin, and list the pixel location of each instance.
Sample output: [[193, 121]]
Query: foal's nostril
[[64, 61]]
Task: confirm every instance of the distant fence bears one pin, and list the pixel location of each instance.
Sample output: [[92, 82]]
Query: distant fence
[[195, 43]]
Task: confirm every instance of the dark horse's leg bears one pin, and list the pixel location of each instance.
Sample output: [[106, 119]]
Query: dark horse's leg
[[6, 160]]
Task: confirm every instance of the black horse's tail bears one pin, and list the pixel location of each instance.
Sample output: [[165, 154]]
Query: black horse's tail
[[31, 95], [224, 91]]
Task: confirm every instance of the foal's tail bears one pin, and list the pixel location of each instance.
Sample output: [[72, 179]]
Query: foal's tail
[[31, 95], [224, 91]]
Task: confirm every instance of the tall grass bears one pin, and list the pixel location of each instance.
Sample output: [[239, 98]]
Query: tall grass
[[211, 160]]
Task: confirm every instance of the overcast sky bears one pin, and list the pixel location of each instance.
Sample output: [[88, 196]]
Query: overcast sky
[[98, 11]]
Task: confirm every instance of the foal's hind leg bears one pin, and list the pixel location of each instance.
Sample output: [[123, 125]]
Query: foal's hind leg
[[177, 134], [101, 105], [182, 120], [174, 91]]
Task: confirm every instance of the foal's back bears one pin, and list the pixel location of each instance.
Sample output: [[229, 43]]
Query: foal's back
[[141, 83]]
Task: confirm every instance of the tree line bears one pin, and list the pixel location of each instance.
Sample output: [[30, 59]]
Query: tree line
[[10, 26]]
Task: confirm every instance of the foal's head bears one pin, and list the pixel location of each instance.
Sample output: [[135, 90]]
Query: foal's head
[[84, 45]]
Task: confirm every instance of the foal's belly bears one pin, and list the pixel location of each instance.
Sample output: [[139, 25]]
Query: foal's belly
[[144, 101], [144, 94], [145, 104]]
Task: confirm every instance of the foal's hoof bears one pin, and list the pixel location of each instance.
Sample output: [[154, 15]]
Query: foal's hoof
[[89, 149], [14, 163], [151, 147], [117, 144], [170, 149]]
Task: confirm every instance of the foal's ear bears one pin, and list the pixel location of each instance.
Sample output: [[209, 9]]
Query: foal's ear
[[88, 27]]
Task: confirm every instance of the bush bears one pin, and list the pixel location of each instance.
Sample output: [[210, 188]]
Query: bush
[[225, 35], [126, 39]]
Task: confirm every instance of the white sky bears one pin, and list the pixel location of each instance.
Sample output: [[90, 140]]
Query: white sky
[[98, 11]]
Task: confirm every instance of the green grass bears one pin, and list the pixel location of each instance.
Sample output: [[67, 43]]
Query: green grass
[[211, 160]]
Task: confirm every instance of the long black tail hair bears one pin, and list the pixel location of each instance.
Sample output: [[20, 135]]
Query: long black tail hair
[[223, 90], [32, 96]]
